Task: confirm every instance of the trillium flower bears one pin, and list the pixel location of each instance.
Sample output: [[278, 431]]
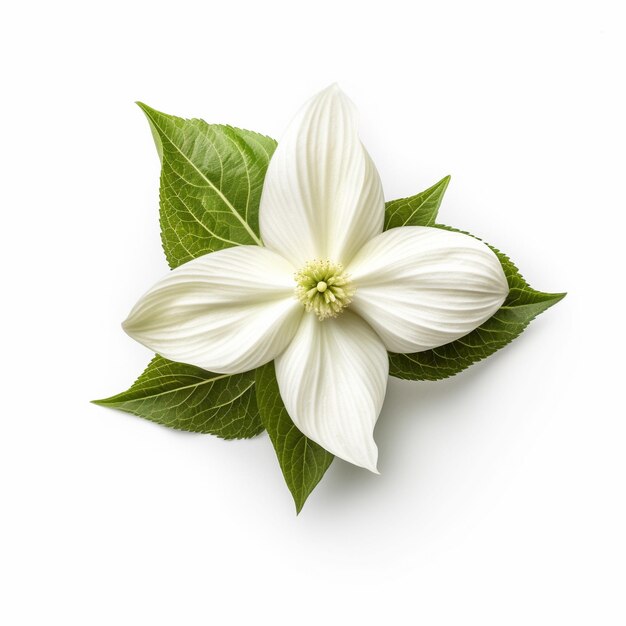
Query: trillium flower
[[328, 294]]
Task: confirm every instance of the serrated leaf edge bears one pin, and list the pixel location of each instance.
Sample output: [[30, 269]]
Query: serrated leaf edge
[[148, 110]]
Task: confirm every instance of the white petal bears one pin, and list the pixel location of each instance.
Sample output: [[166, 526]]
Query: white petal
[[421, 287], [228, 312], [332, 379], [322, 196]]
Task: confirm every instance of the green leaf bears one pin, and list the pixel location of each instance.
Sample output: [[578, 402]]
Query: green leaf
[[302, 461], [522, 305], [211, 182], [189, 398], [418, 210]]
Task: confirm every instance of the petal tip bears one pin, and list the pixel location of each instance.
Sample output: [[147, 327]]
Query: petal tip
[[339, 97], [371, 465], [369, 460], [126, 325], [503, 284], [129, 326]]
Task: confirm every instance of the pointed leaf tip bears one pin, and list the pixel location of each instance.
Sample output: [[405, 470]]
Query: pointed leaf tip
[[211, 181], [302, 461], [185, 397], [143, 106], [418, 210]]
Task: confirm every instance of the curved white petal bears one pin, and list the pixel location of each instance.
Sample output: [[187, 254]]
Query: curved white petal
[[422, 287], [322, 197], [332, 379], [228, 312]]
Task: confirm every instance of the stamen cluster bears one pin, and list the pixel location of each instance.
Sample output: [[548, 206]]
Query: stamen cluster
[[324, 288]]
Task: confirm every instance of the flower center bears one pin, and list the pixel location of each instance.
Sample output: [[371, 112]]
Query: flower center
[[324, 288]]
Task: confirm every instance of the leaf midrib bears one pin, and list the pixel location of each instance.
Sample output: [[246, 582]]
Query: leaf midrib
[[209, 182], [417, 209], [192, 385]]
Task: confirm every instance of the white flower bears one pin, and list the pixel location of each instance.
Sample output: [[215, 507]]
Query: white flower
[[329, 293]]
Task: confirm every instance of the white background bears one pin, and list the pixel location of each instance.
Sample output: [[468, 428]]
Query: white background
[[501, 495]]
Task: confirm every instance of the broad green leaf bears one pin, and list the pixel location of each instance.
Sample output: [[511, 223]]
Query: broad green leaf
[[522, 305], [189, 398], [211, 182], [418, 210], [302, 461]]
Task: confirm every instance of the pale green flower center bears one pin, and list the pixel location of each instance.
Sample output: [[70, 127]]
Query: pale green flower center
[[324, 288]]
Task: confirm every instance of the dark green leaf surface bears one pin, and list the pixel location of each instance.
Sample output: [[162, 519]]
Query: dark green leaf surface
[[522, 305], [418, 210], [302, 461], [189, 398], [211, 182]]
